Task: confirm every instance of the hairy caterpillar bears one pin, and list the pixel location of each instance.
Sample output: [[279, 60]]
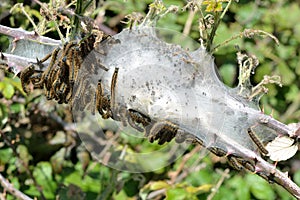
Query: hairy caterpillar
[[59, 77]]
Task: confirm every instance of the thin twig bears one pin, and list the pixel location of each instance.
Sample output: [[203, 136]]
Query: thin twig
[[213, 33], [189, 22], [278, 177], [226, 9], [226, 41], [216, 25], [10, 188], [174, 175], [195, 167], [218, 185], [20, 5], [19, 33], [6, 140], [248, 33]]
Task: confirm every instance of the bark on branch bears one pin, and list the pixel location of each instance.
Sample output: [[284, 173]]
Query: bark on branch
[[12, 190]]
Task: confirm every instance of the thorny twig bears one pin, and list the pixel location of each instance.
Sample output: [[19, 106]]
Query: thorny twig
[[12, 190], [18, 33], [262, 167], [279, 127], [14, 63]]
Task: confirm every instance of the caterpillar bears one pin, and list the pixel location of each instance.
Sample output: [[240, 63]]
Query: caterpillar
[[59, 77], [256, 140], [26, 75]]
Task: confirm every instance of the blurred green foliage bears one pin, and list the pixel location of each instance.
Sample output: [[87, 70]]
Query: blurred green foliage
[[40, 158]]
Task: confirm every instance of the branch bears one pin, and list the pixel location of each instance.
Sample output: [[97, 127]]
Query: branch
[[18, 34], [14, 63], [10, 188], [262, 167], [278, 177], [280, 128]]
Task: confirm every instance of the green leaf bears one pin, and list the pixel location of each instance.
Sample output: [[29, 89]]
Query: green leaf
[[131, 188], [15, 182], [287, 75], [200, 178], [43, 175], [292, 94], [226, 33], [240, 186], [228, 72], [283, 194], [17, 107], [5, 155], [260, 188], [88, 184], [122, 195], [16, 82], [213, 6], [196, 190], [287, 16], [7, 89], [176, 193], [225, 193], [159, 185], [297, 177], [24, 157], [285, 52], [243, 11]]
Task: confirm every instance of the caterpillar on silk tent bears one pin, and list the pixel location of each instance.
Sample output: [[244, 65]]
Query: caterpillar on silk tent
[[140, 81], [163, 92], [159, 88], [169, 92]]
